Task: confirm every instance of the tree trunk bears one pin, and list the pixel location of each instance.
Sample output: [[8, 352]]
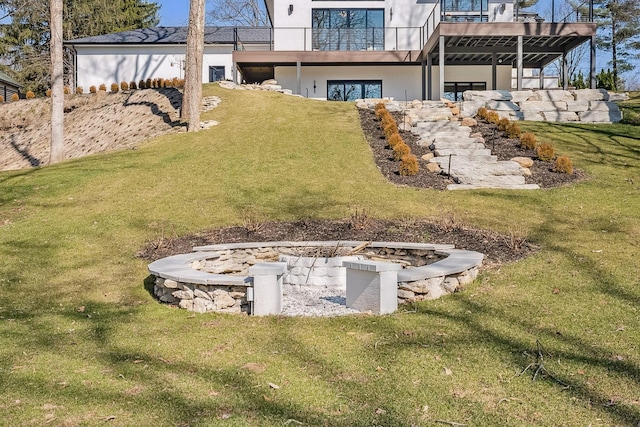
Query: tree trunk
[[57, 83], [192, 95]]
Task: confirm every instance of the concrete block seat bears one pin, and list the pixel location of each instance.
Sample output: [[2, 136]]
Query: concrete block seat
[[181, 279]]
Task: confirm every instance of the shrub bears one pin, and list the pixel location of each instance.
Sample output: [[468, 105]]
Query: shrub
[[148, 84], [493, 117], [409, 165], [103, 87], [482, 113], [503, 123], [528, 141], [168, 83], [142, 84], [387, 119], [400, 150], [1, 99], [79, 90], [179, 83], [115, 87], [545, 152], [92, 89], [67, 90], [133, 85], [48, 93], [30, 95], [15, 97], [390, 129], [124, 86], [161, 83], [563, 164], [395, 139], [513, 130]]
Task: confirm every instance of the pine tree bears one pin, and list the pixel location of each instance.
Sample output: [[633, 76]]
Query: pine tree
[[24, 40]]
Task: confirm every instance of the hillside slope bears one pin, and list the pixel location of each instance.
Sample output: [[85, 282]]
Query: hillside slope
[[93, 123]]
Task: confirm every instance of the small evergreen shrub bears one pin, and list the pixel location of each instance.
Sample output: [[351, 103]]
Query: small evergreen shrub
[[528, 141], [390, 129], [148, 84], [400, 150], [142, 84], [563, 164], [179, 84], [168, 83], [67, 90], [545, 152], [48, 93], [15, 97], [124, 86], [513, 130], [79, 90], [103, 87], [161, 83], [409, 165], [115, 87], [30, 95], [133, 85], [503, 123], [395, 139], [493, 117], [482, 113], [92, 89], [387, 119]]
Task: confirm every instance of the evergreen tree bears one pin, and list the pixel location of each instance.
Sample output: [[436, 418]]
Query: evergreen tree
[[24, 40], [619, 25]]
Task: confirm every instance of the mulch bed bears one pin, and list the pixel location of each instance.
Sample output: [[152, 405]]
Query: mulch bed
[[497, 248], [502, 146]]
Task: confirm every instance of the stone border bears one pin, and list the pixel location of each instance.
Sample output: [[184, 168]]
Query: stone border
[[178, 283]]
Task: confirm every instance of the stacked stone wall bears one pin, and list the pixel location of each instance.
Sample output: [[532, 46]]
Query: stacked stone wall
[[581, 105]]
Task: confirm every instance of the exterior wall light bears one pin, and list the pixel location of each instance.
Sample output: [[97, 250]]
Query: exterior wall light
[[290, 9], [391, 13]]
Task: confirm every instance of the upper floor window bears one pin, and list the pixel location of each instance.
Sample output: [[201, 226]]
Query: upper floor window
[[348, 29]]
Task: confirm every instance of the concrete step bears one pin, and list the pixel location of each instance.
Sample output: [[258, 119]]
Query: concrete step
[[489, 179], [462, 152], [464, 159], [489, 187], [469, 144]]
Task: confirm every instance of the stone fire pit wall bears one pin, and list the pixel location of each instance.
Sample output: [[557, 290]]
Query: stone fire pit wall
[[220, 278]]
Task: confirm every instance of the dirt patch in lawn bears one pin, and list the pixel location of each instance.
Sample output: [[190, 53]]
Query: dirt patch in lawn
[[449, 229]]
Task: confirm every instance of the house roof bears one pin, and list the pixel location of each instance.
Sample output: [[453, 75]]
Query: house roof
[[6, 79], [178, 35]]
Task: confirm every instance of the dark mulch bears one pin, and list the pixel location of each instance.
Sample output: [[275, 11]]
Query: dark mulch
[[497, 248]]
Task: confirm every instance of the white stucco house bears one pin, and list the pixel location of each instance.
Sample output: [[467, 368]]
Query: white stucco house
[[349, 49]]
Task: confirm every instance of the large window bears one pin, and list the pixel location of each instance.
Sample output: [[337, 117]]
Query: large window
[[350, 90], [454, 91], [348, 29]]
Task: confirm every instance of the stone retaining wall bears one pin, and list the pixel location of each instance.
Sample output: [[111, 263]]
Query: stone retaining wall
[[582, 105], [230, 288]]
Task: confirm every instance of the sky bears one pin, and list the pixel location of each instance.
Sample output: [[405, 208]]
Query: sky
[[173, 12]]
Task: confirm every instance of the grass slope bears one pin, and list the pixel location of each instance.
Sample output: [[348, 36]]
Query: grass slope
[[82, 342]]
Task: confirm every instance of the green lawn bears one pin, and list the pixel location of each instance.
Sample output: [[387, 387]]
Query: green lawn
[[82, 342]]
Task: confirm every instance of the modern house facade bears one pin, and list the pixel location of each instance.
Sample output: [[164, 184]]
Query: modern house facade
[[157, 53], [350, 49]]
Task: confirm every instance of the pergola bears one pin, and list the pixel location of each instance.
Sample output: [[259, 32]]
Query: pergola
[[524, 44]]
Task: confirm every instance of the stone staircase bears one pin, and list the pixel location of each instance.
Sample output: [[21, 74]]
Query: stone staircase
[[466, 159]]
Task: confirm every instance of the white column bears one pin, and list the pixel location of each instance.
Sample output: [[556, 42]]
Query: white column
[[372, 286], [267, 287]]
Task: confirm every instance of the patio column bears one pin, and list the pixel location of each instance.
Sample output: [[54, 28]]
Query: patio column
[[592, 69], [541, 78], [423, 64], [234, 72], [520, 64], [565, 71], [494, 70], [429, 77], [298, 77], [441, 65]]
